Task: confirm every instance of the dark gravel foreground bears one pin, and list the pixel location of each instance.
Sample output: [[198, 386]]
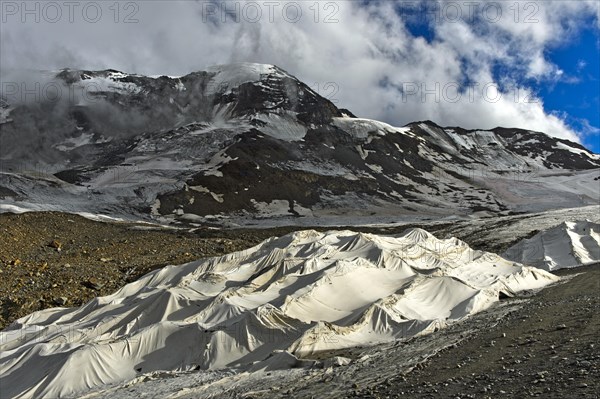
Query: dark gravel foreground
[[550, 348]]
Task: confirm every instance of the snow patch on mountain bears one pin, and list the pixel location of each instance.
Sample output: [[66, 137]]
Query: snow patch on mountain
[[230, 76], [282, 125], [5, 111], [362, 128], [278, 208], [81, 140], [563, 146], [113, 81]]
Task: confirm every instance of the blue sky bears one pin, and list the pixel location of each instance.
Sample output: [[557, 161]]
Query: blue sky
[[578, 94], [574, 96]]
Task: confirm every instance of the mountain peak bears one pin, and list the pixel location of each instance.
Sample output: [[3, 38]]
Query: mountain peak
[[245, 66]]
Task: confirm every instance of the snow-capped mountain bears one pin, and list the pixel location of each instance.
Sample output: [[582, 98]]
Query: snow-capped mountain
[[252, 140]]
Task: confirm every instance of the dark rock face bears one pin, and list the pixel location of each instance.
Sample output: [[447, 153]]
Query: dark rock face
[[277, 94], [261, 172], [223, 141]]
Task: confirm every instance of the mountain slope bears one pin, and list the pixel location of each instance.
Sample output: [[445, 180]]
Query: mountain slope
[[250, 140]]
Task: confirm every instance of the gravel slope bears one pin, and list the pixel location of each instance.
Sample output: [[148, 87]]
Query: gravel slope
[[50, 259]]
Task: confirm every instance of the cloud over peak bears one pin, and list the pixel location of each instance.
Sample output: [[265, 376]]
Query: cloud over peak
[[458, 63]]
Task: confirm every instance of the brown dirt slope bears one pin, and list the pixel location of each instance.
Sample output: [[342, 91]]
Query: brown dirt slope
[[50, 259]]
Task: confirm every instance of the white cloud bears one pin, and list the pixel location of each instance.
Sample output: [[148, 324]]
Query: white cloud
[[368, 55]]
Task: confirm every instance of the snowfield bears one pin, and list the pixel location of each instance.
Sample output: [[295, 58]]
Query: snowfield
[[262, 308]]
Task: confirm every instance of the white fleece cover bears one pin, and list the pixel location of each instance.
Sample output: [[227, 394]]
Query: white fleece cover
[[299, 294], [570, 244]]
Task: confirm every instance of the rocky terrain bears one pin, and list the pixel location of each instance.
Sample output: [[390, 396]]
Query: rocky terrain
[[53, 259]]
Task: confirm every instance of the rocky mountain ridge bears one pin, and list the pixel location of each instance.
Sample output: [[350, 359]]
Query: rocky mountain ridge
[[252, 141]]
